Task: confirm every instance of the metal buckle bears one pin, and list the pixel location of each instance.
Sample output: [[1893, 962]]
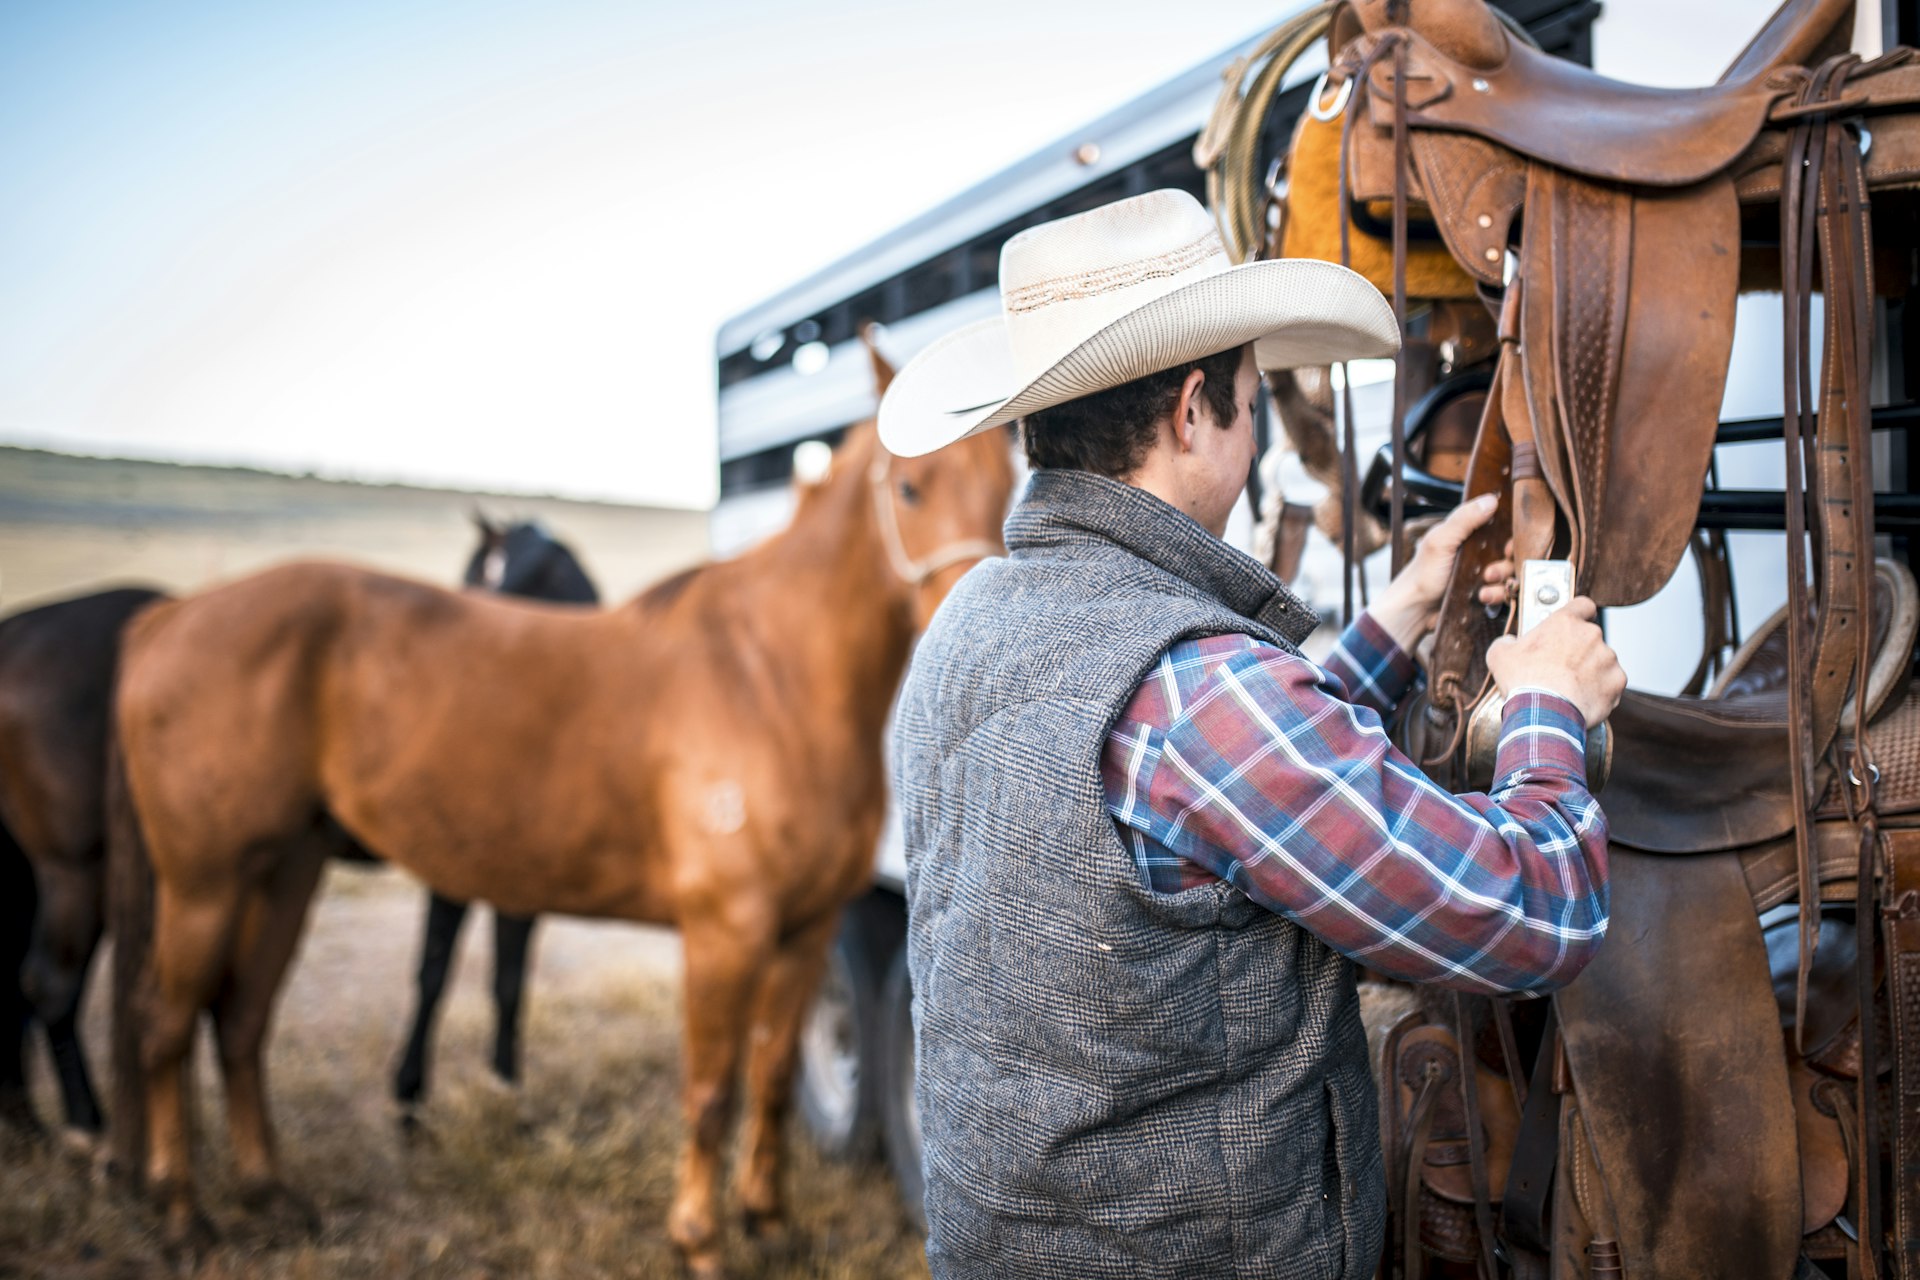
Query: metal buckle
[[1873, 771]]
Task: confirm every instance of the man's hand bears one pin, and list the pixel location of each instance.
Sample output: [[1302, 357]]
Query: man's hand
[[1406, 609], [1567, 655]]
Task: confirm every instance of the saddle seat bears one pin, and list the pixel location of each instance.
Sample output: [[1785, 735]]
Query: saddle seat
[[1699, 775], [1466, 73]]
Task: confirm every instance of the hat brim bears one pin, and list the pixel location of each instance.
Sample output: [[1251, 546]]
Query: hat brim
[[1296, 312]]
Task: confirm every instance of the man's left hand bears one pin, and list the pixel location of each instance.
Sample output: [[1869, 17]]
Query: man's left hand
[[1406, 610]]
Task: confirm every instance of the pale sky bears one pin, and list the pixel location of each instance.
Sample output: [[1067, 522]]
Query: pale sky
[[487, 244]]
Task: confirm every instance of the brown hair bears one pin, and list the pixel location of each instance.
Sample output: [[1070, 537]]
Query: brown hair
[[1111, 432]]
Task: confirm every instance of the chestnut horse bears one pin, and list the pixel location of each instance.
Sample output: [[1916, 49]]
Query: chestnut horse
[[57, 666], [524, 560], [707, 756]]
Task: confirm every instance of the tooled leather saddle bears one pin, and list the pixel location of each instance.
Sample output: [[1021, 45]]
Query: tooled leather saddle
[[1664, 1125]]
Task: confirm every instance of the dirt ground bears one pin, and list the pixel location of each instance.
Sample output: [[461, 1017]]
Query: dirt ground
[[569, 1176]]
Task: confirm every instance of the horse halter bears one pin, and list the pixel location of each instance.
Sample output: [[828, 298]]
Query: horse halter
[[909, 570]]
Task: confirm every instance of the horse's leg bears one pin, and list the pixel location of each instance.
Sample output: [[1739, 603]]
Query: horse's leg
[[512, 936], [192, 938], [66, 932], [18, 904], [271, 923], [725, 956], [786, 995], [444, 918]]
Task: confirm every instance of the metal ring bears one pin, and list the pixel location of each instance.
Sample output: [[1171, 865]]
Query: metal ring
[[1873, 771], [1326, 114]]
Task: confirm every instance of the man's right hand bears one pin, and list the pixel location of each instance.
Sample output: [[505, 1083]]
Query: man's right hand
[[1567, 655]]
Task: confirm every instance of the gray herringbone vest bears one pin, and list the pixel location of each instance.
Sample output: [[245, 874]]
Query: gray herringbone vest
[[1111, 1082]]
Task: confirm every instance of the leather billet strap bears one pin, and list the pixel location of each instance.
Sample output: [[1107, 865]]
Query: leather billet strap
[[1525, 1204], [1457, 664], [1821, 461]]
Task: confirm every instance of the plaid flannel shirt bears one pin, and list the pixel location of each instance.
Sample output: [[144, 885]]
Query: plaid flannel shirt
[[1237, 760]]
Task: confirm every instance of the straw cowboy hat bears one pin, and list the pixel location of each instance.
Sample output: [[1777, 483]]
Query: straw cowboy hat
[[1113, 294]]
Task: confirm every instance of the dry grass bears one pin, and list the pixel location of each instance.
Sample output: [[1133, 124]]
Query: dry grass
[[569, 1177]]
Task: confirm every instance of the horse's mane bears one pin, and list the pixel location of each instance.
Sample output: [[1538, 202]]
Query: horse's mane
[[850, 460], [662, 594]]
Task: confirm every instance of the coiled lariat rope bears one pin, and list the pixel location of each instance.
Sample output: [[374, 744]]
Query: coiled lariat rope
[[1228, 149]]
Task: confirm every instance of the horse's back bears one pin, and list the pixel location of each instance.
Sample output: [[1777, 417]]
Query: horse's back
[[404, 711], [220, 700]]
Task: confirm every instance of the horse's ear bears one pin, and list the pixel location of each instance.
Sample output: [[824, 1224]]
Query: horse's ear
[[484, 525], [883, 369]]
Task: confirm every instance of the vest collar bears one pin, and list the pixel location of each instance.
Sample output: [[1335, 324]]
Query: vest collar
[[1065, 507]]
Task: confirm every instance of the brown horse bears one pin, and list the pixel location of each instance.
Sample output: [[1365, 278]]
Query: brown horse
[[708, 756]]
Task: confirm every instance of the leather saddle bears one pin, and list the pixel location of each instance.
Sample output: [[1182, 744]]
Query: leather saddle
[[1668, 1127], [1619, 322]]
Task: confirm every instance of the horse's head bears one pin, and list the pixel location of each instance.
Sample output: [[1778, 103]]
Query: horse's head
[[940, 514], [937, 515], [523, 559]]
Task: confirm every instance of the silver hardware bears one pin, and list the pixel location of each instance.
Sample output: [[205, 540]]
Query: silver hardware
[[1545, 588], [1322, 113], [1873, 771], [1481, 86]]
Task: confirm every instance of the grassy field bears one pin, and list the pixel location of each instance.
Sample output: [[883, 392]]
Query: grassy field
[[570, 1176]]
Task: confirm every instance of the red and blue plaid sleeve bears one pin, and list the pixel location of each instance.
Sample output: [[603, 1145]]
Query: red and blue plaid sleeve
[[1240, 761], [1371, 669]]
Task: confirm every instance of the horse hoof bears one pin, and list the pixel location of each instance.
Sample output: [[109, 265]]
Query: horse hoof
[[188, 1241], [705, 1265], [83, 1145], [772, 1237], [766, 1227], [281, 1211]]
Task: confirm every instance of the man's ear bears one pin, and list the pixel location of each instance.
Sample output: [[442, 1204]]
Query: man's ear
[[1186, 409]]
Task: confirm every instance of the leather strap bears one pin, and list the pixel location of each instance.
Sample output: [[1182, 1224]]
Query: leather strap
[[1525, 1203], [1823, 215], [1425, 1103], [1464, 1031], [1457, 665]]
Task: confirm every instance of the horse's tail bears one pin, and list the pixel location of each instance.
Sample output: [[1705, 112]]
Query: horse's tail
[[130, 921]]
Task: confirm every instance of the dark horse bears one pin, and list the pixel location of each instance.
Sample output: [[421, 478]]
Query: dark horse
[[525, 560], [56, 689]]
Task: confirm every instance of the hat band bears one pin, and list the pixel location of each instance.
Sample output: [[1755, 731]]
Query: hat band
[[1099, 280]]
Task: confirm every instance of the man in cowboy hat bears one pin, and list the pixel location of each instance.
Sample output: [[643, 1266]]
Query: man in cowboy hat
[[1146, 837]]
